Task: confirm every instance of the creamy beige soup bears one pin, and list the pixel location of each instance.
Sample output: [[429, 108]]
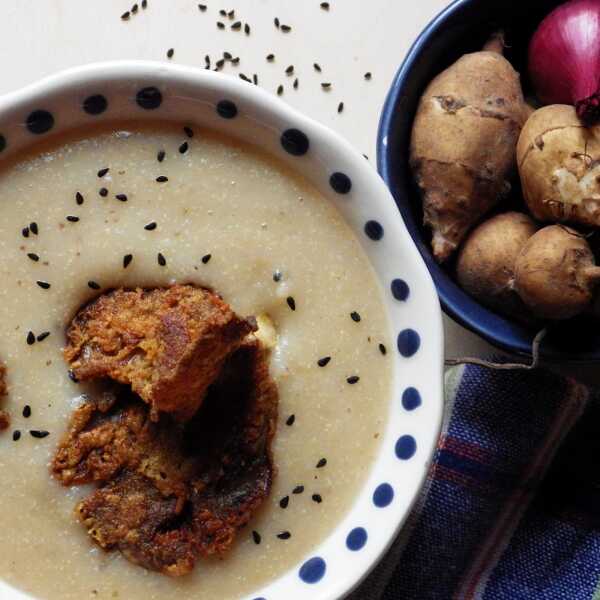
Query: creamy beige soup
[[255, 218]]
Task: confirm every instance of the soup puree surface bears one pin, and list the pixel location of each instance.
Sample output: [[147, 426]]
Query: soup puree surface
[[254, 217]]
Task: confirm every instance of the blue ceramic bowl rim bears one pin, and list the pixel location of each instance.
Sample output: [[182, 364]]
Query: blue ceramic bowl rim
[[456, 303]]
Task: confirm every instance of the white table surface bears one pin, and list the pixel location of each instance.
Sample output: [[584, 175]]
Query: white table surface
[[40, 37]]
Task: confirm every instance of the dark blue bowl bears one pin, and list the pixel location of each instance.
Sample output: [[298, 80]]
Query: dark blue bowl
[[464, 27]]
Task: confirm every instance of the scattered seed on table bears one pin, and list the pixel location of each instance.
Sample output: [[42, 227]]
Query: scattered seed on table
[[322, 462], [340, 107], [16, 435], [183, 148], [25, 232], [326, 85], [323, 362], [270, 57], [236, 26], [277, 276], [368, 75], [33, 256], [244, 78], [103, 192], [161, 155], [162, 179], [222, 12], [256, 537], [93, 285], [231, 14], [325, 5], [366, 156], [72, 218], [382, 349], [206, 258], [127, 260], [121, 197], [280, 90], [299, 489], [235, 61], [317, 498], [227, 55], [43, 284], [103, 172], [188, 131], [286, 28], [33, 227], [30, 338], [79, 198], [43, 336], [353, 379], [276, 22], [27, 411], [150, 226], [255, 79], [144, 4], [355, 316], [247, 29], [36, 433], [284, 502], [290, 420], [295, 86], [220, 63], [317, 67], [170, 52], [289, 70], [202, 7], [125, 16], [162, 261], [220, 25], [284, 535], [291, 302]]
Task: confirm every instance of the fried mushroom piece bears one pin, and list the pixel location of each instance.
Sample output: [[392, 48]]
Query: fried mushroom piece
[[169, 344], [4, 416], [171, 492]]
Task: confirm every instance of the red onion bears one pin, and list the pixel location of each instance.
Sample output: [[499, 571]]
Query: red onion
[[564, 58]]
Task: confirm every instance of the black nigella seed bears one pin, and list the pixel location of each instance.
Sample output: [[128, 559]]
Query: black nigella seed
[[279, 90], [317, 67], [30, 338], [277, 276], [220, 63], [223, 12], [290, 420], [16, 435], [170, 53], [276, 21], [368, 75], [93, 285], [289, 70], [295, 86], [317, 498], [256, 537], [284, 535], [353, 379], [27, 411], [206, 258], [207, 61], [202, 7], [188, 131], [103, 172], [33, 227], [162, 179], [235, 61], [103, 192], [284, 502], [183, 148], [36, 433], [25, 232], [72, 219], [121, 197], [326, 85], [125, 16], [79, 198], [162, 261], [43, 336], [255, 79], [34, 257], [382, 349], [299, 489], [127, 260], [291, 302], [340, 107], [227, 55], [244, 78], [161, 155], [144, 3], [270, 57], [325, 5], [72, 376], [286, 28], [323, 362], [43, 284], [247, 29], [237, 25], [355, 317], [322, 462], [150, 226], [134, 8], [220, 25]]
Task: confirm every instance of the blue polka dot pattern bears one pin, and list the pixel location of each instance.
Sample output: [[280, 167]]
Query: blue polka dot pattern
[[406, 446], [40, 121], [356, 539], [400, 290], [313, 570], [149, 98], [374, 230], [227, 109], [409, 342], [341, 183], [383, 495], [95, 105], [295, 142], [411, 399]]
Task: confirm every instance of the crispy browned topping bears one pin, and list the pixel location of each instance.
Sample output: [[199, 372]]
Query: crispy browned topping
[[172, 492], [4, 416], [168, 344]]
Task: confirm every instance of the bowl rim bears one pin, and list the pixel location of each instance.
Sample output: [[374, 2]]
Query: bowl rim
[[113, 71], [496, 329]]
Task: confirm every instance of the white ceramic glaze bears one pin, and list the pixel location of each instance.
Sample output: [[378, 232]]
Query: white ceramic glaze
[[191, 96]]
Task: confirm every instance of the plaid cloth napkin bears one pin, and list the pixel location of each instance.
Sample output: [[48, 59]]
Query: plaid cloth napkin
[[511, 510]]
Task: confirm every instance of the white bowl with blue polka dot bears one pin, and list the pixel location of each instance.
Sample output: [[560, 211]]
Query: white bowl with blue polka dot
[[154, 91]]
